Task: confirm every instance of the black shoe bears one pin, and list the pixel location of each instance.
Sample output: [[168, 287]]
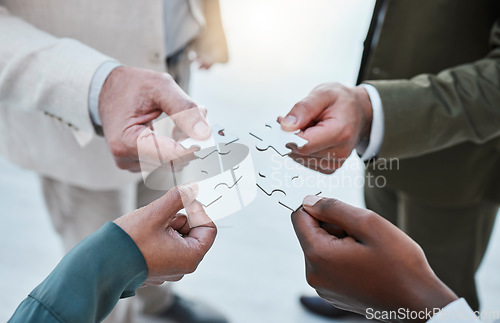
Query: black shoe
[[319, 306], [188, 311]]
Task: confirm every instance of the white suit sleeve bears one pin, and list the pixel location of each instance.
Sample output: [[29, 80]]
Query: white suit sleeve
[[98, 80], [455, 312], [44, 73]]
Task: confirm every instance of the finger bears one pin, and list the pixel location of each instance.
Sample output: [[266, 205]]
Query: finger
[[202, 236], [357, 223], [205, 65], [180, 224], [328, 134], [307, 110], [193, 123], [153, 283], [339, 152], [132, 166], [197, 215], [178, 134], [321, 165], [333, 230], [308, 230], [175, 102], [158, 150], [175, 278], [164, 209]]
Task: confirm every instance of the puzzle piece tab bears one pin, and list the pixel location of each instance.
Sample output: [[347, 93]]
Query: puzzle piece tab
[[217, 171], [291, 185], [219, 141], [272, 136]]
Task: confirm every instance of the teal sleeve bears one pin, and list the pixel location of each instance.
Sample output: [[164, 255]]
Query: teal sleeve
[[89, 280]]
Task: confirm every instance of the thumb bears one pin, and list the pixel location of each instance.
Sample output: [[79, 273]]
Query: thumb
[[164, 209], [309, 231], [305, 111], [183, 111], [357, 223]]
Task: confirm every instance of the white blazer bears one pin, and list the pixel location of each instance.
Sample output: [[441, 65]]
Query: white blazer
[[49, 51]]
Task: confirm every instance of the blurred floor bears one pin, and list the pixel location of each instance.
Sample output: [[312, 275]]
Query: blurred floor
[[280, 50]]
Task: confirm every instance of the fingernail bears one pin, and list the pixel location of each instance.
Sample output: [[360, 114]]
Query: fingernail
[[311, 200], [201, 130], [203, 110], [289, 121], [189, 192]]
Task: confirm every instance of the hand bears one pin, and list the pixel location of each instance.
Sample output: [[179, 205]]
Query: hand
[[169, 245], [365, 261], [333, 119], [130, 100], [211, 46], [208, 50]]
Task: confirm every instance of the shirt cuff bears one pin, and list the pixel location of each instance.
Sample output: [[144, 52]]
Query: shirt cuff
[[98, 80], [455, 312], [371, 149]]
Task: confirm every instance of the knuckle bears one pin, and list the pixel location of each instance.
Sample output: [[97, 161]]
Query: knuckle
[[368, 220], [312, 279], [166, 77], [322, 87], [302, 106], [189, 104], [327, 88], [328, 171], [191, 268], [327, 204], [314, 254], [121, 165], [295, 215], [119, 150], [176, 193], [346, 134], [306, 150]]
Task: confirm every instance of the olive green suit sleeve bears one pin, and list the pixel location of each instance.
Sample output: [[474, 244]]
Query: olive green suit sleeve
[[432, 112], [89, 280]]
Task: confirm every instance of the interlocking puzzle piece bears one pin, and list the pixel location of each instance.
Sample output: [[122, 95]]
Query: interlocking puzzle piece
[[291, 185], [235, 193], [272, 136], [219, 171], [219, 141], [208, 194]]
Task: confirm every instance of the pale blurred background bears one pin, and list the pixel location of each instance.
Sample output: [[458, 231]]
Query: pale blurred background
[[280, 50]]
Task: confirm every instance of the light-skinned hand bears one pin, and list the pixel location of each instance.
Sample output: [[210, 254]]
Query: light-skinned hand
[[131, 98], [333, 119]]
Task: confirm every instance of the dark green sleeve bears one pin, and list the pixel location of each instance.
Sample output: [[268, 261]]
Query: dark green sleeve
[[89, 280], [434, 112]]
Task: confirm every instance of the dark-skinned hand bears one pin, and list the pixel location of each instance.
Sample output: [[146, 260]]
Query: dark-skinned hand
[[358, 260], [170, 246]]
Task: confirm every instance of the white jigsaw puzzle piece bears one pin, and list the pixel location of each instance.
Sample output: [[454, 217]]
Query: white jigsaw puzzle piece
[[293, 199], [226, 170], [272, 136], [290, 184], [236, 186], [207, 193], [218, 141]]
